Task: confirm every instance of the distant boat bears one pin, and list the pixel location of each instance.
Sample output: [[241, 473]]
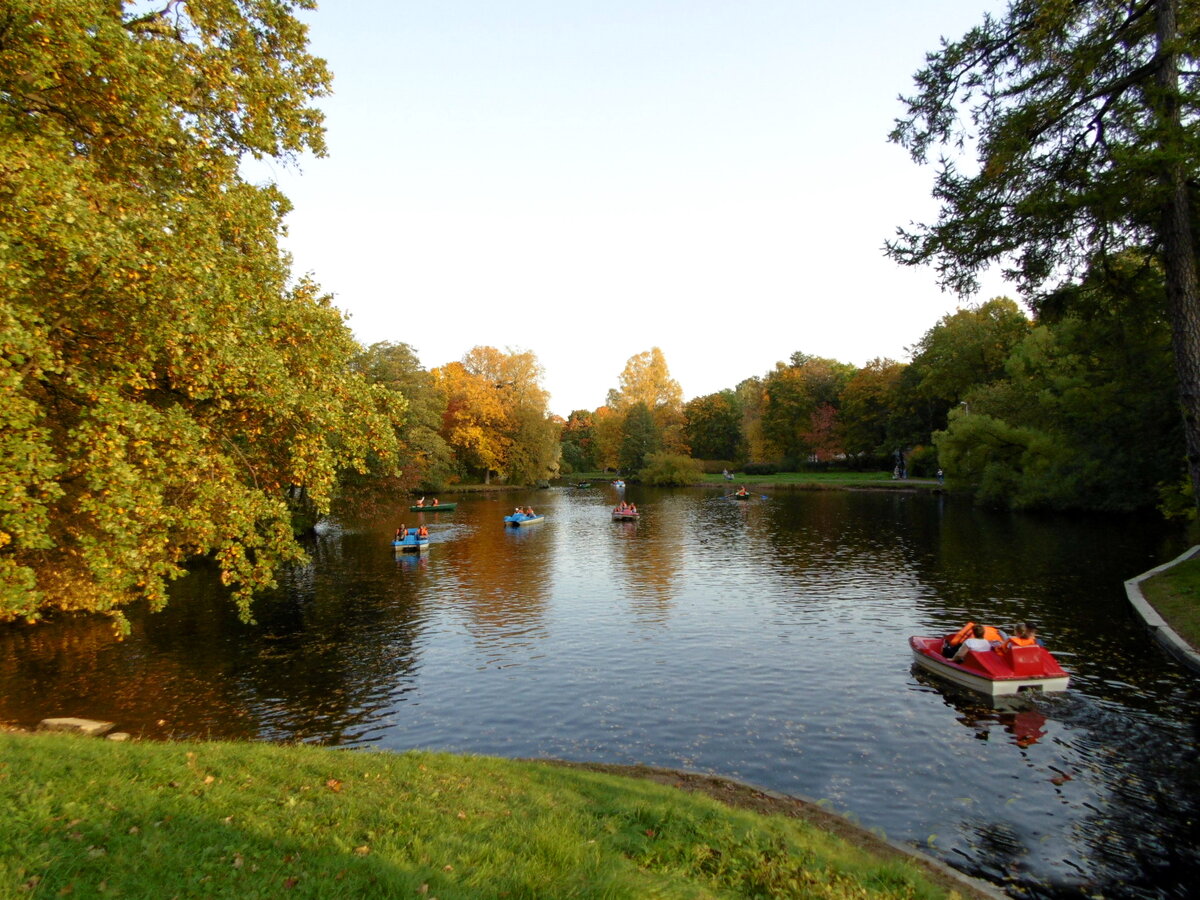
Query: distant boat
[[429, 507], [624, 515], [411, 543], [618, 483], [583, 484], [518, 519], [742, 495]]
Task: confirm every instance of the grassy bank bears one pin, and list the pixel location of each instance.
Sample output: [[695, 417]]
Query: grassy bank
[[800, 480], [839, 479], [95, 818], [1175, 595]]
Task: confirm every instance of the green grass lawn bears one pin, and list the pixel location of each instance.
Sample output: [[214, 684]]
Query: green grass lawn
[[94, 818], [1175, 594]]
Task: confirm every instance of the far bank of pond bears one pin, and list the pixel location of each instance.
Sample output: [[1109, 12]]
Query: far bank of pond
[[763, 640]]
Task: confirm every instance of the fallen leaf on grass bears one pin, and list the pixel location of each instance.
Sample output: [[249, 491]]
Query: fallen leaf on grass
[[363, 850], [334, 785]]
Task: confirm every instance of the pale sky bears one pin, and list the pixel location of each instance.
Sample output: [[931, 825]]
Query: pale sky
[[588, 180]]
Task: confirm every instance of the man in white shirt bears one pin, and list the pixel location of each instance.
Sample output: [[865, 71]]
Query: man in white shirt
[[976, 642]]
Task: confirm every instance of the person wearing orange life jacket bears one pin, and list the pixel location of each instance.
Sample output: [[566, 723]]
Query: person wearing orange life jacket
[[954, 642], [978, 643], [1024, 635]]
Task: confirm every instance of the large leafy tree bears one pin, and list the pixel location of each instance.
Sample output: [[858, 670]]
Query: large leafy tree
[[1083, 115], [647, 380], [870, 404], [793, 394], [640, 437], [1084, 416], [163, 385], [714, 426], [496, 418], [966, 348], [579, 441], [426, 458]]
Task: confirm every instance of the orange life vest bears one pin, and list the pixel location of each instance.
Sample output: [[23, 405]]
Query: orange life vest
[[1015, 641], [990, 633]]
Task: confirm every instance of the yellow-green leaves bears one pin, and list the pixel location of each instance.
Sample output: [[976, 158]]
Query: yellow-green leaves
[[163, 385]]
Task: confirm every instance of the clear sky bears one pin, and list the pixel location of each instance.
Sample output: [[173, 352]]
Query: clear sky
[[588, 180]]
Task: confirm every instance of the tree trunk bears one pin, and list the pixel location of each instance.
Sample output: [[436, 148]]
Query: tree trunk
[[1178, 240]]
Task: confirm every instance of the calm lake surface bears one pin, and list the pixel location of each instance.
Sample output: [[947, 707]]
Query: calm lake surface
[[764, 640]]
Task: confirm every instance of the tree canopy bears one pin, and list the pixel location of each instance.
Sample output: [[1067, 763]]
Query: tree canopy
[[164, 386], [496, 417], [1083, 116]]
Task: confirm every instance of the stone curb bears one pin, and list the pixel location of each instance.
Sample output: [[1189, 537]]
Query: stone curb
[[1163, 633]]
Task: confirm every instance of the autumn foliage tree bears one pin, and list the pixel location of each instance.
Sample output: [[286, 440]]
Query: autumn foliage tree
[[496, 418], [647, 380], [164, 386], [425, 458]]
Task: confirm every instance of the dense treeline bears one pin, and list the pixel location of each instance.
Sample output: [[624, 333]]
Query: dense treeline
[[169, 393], [1072, 409]]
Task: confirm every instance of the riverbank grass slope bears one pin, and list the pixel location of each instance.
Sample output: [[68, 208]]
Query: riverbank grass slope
[[96, 818], [1175, 595]]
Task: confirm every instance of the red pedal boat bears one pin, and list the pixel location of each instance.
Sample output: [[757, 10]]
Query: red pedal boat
[[996, 673]]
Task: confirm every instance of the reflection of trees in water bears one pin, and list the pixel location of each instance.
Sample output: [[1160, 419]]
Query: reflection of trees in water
[[332, 648], [501, 579], [75, 666], [648, 556], [813, 533]]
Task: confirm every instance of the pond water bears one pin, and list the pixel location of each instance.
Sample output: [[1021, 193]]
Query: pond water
[[764, 640]]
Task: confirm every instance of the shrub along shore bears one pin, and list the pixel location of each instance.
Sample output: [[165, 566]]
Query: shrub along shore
[[97, 818]]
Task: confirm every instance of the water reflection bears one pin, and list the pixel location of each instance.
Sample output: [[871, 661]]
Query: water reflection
[[763, 639], [1017, 717]]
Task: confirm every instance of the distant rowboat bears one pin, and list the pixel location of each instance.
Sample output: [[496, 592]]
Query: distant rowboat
[[429, 507]]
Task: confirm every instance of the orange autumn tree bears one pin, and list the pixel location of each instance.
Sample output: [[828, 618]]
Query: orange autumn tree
[[497, 419], [646, 379], [166, 389]]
